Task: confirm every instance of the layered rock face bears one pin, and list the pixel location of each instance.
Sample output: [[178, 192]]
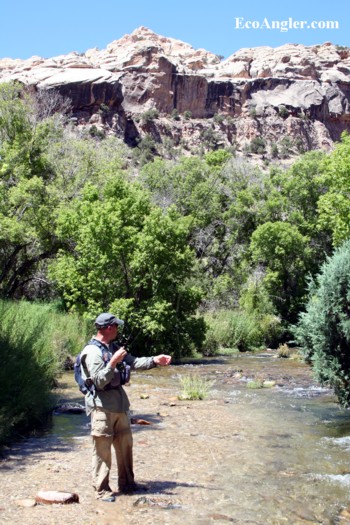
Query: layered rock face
[[292, 91]]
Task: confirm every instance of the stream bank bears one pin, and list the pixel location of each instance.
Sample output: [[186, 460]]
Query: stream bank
[[267, 457]]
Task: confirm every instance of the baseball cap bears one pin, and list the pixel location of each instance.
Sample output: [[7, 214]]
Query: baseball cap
[[106, 319]]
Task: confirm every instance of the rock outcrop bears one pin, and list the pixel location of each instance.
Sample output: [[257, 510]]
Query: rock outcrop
[[292, 91]]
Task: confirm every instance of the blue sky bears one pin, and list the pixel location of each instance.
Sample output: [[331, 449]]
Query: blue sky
[[44, 28]]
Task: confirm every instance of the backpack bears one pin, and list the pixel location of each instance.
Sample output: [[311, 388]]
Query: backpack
[[86, 386]]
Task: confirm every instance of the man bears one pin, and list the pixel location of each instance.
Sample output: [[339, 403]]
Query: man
[[108, 405]]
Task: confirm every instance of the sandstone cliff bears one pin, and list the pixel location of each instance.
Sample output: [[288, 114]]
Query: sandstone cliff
[[293, 96]]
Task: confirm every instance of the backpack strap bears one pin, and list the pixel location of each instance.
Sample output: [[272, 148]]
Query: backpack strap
[[104, 352], [124, 376], [83, 364], [122, 369], [101, 346]]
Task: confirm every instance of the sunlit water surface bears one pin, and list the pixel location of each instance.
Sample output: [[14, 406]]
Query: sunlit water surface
[[293, 465]]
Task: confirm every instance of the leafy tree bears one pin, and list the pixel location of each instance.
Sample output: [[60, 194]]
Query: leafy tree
[[124, 254], [217, 158], [26, 238], [323, 330], [222, 197], [190, 185], [289, 203], [284, 252], [294, 196], [209, 138], [274, 151], [42, 164], [334, 205]]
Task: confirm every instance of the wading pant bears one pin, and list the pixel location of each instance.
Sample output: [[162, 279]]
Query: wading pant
[[111, 429]]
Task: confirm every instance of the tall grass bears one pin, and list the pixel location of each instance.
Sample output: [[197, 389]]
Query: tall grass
[[239, 330], [194, 387], [34, 343]]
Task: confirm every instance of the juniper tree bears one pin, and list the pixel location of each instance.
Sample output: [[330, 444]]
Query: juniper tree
[[323, 330]]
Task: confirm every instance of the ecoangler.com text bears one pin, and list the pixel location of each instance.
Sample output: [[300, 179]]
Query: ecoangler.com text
[[284, 25]]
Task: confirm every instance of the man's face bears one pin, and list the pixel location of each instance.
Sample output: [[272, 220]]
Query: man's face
[[113, 332]]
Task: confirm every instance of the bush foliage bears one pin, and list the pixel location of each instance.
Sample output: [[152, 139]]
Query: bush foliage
[[240, 330], [323, 330], [34, 340]]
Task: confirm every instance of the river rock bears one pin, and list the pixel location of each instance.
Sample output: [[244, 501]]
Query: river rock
[[144, 396], [27, 502], [139, 421], [52, 496], [269, 384], [345, 516]]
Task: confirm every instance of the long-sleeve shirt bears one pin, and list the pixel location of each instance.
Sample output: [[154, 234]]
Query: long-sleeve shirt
[[116, 399]]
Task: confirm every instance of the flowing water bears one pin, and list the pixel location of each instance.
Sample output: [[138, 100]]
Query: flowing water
[[274, 455]]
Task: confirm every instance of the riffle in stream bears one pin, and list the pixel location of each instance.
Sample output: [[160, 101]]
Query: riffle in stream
[[266, 456]]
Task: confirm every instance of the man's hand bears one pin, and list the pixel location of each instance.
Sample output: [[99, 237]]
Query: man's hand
[[162, 360], [118, 356]]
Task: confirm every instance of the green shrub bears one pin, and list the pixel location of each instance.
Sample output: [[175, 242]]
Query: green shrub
[[209, 138], [286, 146], [218, 118], [274, 151], [145, 150], [283, 111], [104, 109], [238, 330], [34, 341], [257, 145], [97, 133], [300, 145], [175, 114], [323, 331], [149, 116], [253, 112]]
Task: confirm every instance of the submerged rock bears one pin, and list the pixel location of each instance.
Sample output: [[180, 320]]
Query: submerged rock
[[156, 501]]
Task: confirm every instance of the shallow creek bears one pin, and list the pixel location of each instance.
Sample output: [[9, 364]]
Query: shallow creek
[[264, 456]]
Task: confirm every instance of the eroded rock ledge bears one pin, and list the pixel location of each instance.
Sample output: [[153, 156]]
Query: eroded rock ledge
[[296, 91]]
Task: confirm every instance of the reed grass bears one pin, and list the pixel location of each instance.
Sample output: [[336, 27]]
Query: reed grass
[[194, 387], [238, 330], [34, 343]]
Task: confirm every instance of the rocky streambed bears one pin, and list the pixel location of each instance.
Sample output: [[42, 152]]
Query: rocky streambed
[[265, 456]]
